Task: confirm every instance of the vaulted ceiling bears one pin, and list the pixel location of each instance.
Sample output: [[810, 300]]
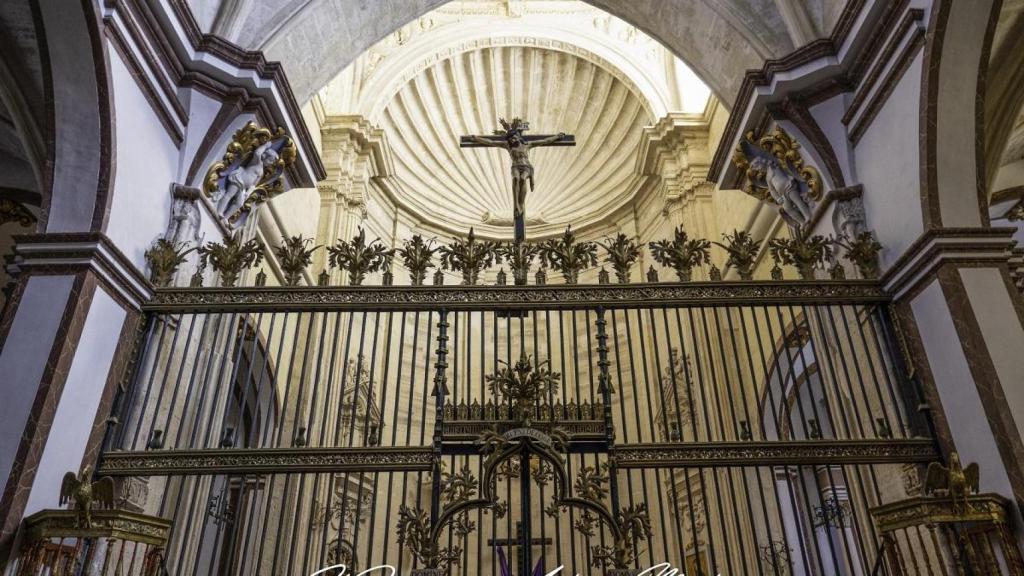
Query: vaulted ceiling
[[556, 91], [719, 39]]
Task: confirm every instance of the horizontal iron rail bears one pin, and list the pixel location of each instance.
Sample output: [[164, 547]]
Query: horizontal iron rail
[[380, 459], [266, 461], [514, 297], [723, 454]]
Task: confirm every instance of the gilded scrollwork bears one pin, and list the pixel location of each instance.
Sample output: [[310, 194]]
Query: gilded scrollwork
[[251, 171], [11, 211], [773, 170]]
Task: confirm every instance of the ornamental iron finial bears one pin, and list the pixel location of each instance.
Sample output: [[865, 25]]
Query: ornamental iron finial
[[520, 256], [524, 384], [231, 257], [805, 254], [359, 258], [742, 250], [294, 256], [622, 253], [863, 251], [681, 253], [164, 258], [470, 256], [568, 256], [417, 256]]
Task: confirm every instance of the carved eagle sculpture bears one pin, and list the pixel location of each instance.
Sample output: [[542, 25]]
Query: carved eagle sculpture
[[86, 493], [956, 481]]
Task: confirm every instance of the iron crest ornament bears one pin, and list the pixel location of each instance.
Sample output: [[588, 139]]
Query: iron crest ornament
[[251, 171]]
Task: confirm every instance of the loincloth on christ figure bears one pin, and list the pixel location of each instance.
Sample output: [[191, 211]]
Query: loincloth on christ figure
[[522, 172]]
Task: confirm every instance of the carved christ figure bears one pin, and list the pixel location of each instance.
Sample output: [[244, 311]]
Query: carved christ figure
[[522, 171]]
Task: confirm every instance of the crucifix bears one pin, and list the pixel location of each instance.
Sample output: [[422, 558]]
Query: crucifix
[[518, 145], [519, 540]]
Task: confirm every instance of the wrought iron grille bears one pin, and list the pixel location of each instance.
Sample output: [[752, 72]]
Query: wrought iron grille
[[283, 431]]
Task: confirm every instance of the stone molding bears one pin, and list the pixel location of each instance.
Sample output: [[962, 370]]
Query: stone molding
[[850, 70], [939, 246], [70, 253], [169, 45]]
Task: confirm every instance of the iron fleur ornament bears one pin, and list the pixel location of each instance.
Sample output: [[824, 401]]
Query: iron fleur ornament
[[359, 258], [417, 256], [470, 256], [164, 258], [742, 250], [251, 171], [681, 253], [524, 384], [622, 253], [231, 257], [805, 254], [294, 257], [863, 251], [520, 256], [568, 256]]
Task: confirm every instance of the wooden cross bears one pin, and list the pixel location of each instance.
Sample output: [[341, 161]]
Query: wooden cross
[[518, 145]]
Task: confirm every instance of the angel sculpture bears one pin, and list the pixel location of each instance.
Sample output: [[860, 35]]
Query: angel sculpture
[[251, 171], [956, 481], [775, 172], [85, 493]]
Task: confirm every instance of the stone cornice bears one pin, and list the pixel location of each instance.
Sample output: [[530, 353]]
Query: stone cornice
[[941, 246], [69, 253], [172, 46], [840, 61]]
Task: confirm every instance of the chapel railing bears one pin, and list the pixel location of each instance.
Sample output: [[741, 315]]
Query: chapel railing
[[782, 405]]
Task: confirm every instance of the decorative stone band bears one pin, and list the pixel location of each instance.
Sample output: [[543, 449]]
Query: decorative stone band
[[519, 297], [118, 524], [698, 454], [266, 461], [69, 253], [942, 246]]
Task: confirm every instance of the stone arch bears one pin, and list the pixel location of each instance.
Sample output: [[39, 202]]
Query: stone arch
[[79, 124], [954, 192], [692, 30]]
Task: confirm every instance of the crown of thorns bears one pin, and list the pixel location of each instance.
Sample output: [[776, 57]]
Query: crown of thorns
[[516, 127]]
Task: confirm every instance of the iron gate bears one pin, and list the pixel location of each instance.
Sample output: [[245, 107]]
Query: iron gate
[[724, 429]]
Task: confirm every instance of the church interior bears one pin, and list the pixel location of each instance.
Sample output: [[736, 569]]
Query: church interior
[[511, 287]]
